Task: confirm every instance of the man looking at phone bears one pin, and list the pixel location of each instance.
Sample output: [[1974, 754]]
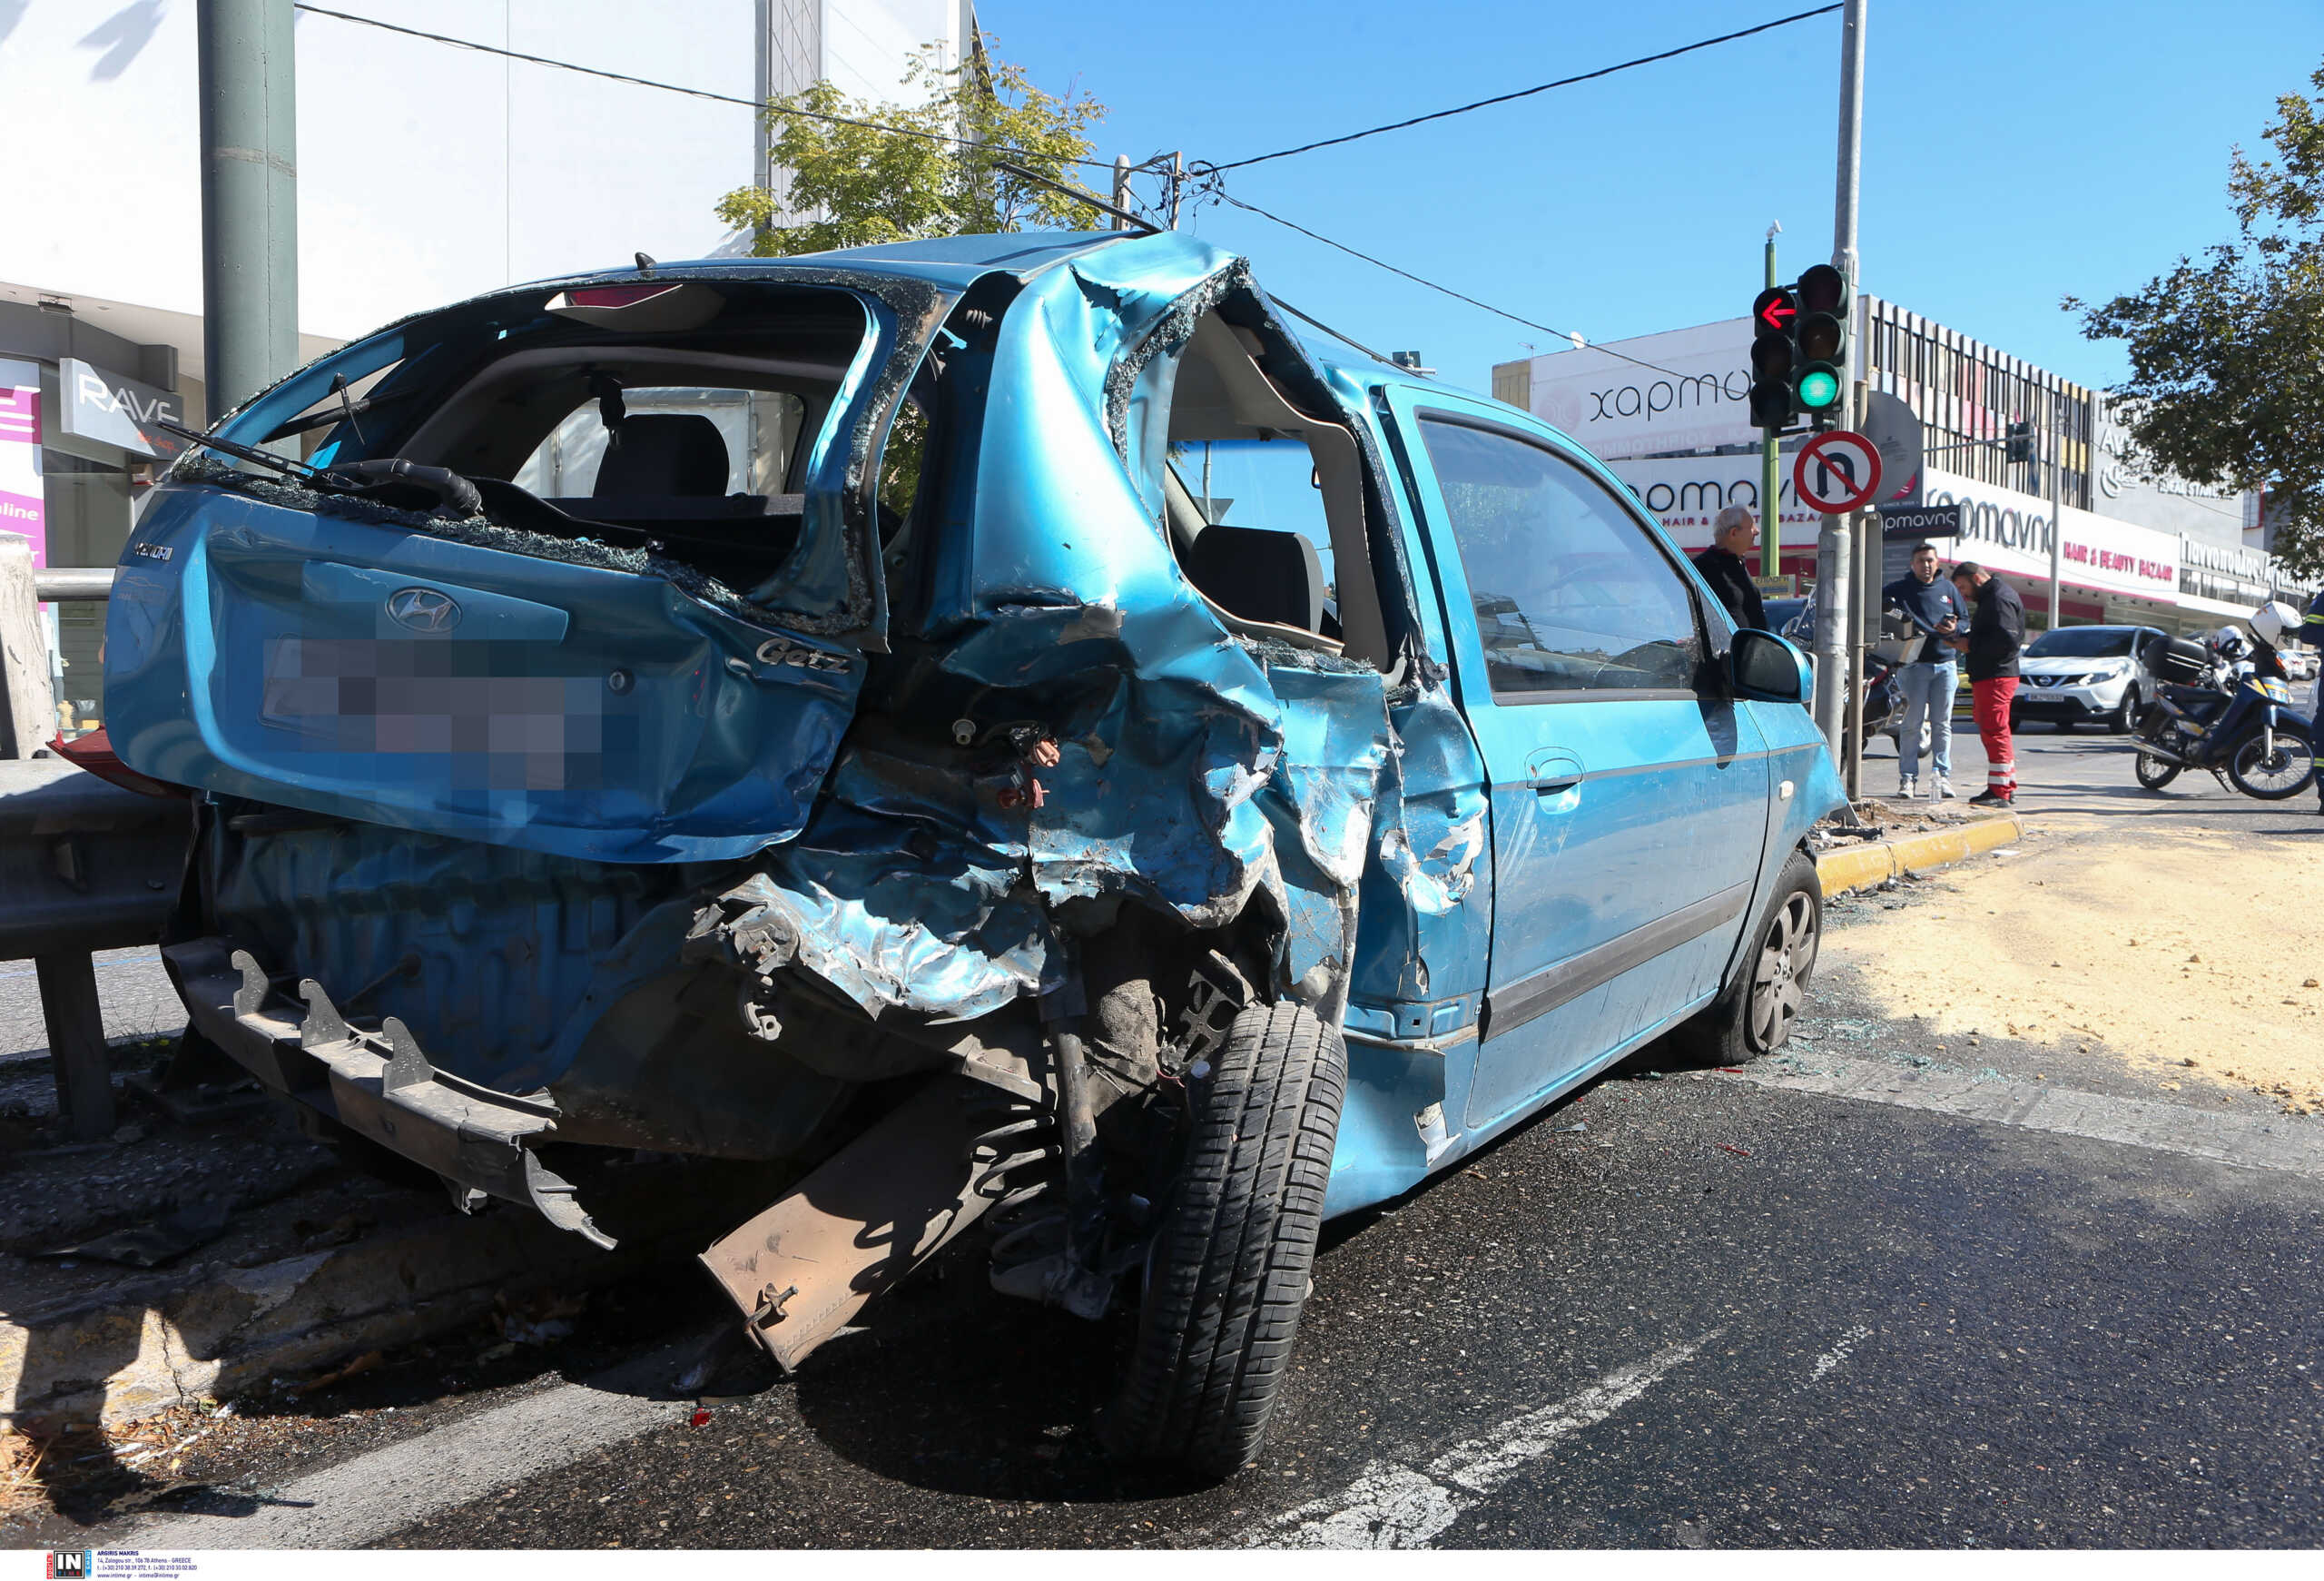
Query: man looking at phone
[[1929, 673]]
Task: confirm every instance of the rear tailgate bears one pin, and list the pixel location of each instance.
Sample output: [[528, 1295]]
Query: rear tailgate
[[371, 672]]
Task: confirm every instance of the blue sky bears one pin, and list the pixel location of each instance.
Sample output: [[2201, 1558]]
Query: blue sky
[[2012, 152]]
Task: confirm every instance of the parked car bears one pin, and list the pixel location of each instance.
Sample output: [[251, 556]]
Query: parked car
[[1783, 619], [1004, 727], [2086, 674], [2299, 663]]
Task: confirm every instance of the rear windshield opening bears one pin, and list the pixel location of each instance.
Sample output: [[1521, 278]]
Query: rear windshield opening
[[692, 438]]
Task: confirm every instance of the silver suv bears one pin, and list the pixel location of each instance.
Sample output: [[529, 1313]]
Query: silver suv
[[2086, 674]]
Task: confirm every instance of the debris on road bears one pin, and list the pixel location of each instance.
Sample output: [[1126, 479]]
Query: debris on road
[[361, 1364], [537, 1317]]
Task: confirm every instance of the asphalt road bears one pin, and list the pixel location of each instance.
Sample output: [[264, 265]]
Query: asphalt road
[[1683, 1309], [132, 987]]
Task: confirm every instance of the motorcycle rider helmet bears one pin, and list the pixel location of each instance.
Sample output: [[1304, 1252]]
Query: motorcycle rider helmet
[[2227, 642], [2270, 621]]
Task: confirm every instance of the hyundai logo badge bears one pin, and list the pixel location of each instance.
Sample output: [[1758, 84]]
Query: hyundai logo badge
[[422, 609]]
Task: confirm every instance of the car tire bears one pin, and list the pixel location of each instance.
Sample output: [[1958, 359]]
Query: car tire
[[1227, 1276], [1754, 1014], [2125, 716]]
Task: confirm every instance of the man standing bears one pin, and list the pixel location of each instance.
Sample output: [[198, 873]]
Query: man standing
[[1733, 535], [1929, 674], [1996, 635]]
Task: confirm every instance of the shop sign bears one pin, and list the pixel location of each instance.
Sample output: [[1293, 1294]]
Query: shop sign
[[2010, 532], [2235, 574], [1912, 523], [1685, 494], [95, 404], [1683, 389], [22, 501]]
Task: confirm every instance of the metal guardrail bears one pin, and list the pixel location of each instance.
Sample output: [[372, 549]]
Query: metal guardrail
[[66, 584], [85, 866]]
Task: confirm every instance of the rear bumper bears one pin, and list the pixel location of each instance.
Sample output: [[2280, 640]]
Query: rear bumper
[[377, 1084]]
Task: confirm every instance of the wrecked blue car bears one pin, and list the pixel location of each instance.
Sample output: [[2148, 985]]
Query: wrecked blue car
[[1005, 727]]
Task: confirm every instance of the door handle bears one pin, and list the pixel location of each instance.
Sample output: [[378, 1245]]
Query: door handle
[[1551, 773]]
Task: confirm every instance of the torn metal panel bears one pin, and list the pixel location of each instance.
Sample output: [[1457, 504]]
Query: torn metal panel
[[801, 1270]]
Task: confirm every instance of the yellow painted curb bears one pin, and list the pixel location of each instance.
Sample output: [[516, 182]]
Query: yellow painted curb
[[1861, 867]]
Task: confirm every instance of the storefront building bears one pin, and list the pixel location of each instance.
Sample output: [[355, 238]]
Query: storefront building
[[101, 292], [80, 441], [1669, 413]]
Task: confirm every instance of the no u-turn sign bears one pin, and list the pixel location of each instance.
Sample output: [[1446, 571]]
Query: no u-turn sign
[[1837, 472]]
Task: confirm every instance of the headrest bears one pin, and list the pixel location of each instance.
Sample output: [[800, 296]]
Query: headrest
[[664, 453], [1260, 574]]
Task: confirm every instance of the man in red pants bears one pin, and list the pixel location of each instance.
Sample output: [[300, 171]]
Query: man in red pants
[[1996, 635]]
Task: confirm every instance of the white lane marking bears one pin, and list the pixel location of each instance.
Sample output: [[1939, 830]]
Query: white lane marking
[[377, 1495], [2250, 1141], [1394, 1505], [1837, 1353]]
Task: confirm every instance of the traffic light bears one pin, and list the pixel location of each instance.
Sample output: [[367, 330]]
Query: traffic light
[[1774, 355], [1821, 333], [2019, 437]]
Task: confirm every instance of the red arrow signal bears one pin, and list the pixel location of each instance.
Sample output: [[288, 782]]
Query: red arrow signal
[[1773, 308]]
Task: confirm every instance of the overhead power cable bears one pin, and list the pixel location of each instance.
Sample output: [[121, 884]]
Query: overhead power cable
[[541, 60], [1643, 60], [1579, 340]]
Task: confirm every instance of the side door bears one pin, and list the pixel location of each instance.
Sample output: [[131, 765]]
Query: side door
[[1628, 809]]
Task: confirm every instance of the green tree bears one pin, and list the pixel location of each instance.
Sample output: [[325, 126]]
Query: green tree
[[2227, 354], [860, 185]]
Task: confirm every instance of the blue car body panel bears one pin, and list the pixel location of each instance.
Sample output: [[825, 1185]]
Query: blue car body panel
[[620, 733]]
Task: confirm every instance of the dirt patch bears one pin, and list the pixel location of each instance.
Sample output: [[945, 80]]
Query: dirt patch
[[2191, 954]]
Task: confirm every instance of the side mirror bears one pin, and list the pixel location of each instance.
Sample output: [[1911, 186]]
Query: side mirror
[[1766, 668]]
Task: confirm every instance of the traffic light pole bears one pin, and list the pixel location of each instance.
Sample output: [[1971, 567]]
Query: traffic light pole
[[1834, 578], [1770, 466], [250, 197]]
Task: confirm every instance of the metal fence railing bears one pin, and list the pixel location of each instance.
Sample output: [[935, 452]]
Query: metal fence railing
[[84, 864]]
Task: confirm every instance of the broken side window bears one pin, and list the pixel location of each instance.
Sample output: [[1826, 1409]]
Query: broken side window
[[1265, 503]]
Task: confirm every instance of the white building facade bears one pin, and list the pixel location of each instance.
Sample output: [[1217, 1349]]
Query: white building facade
[[427, 174]]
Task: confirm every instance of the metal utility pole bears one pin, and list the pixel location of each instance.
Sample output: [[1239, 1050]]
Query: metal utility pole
[[1834, 612], [1771, 461], [1177, 185], [762, 91], [2057, 501], [249, 198], [1121, 188]]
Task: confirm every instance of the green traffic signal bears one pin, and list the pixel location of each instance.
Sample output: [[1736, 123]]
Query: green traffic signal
[[1818, 388]]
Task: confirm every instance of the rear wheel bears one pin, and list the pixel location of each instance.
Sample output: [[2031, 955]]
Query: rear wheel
[[2153, 772], [1229, 1273], [2272, 773]]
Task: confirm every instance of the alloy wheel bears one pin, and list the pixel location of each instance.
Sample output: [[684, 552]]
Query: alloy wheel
[[1787, 956]]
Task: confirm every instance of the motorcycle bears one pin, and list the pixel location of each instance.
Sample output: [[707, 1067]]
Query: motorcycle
[[2229, 712]]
